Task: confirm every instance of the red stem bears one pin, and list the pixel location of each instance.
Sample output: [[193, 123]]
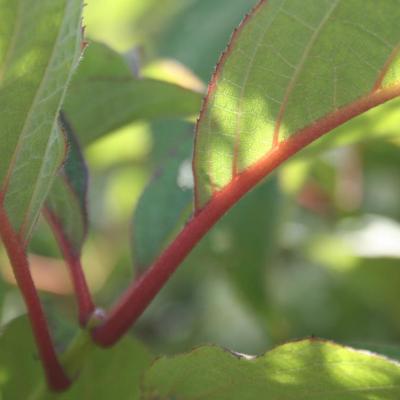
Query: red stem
[[83, 297], [55, 375], [138, 296]]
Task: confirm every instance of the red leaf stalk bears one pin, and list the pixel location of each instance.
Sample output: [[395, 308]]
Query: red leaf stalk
[[82, 293], [138, 296], [55, 375]]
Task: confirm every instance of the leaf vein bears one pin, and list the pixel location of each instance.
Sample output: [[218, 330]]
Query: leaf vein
[[298, 71]]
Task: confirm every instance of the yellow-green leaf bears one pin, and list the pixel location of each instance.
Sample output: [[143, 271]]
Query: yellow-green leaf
[[303, 370]]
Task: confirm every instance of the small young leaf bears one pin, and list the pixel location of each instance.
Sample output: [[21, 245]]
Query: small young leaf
[[65, 206], [293, 71], [303, 370], [104, 95], [40, 44]]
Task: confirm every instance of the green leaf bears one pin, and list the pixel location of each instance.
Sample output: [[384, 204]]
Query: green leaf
[[307, 369], [244, 242], [40, 44], [381, 122], [66, 204], [18, 358], [164, 203], [105, 374], [197, 45], [111, 373], [293, 71], [104, 95]]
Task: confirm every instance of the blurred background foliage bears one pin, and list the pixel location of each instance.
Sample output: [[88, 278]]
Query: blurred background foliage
[[314, 250]]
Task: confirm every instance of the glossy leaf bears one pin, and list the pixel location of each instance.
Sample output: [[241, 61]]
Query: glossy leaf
[[40, 44], [307, 369], [66, 204], [292, 72], [104, 95], [164, 203]]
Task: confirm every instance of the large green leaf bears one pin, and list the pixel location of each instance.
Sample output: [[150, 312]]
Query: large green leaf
[[293, 68], [308, 369], [66, 204], [104, 95], [40, 44]]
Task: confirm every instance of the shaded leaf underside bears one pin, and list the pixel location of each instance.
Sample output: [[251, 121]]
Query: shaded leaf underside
[[291, 65]]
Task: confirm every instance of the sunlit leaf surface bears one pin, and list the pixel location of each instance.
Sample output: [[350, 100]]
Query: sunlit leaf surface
[[308, 369], [267, 87]]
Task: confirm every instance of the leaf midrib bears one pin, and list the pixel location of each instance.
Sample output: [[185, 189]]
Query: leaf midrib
[[29, 114], [54, 125]]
